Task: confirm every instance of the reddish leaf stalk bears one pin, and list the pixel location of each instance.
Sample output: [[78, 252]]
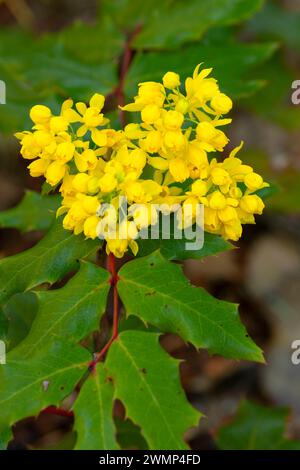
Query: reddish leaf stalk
[[125, 63], [111, 261], [53, 410], [113, 281]]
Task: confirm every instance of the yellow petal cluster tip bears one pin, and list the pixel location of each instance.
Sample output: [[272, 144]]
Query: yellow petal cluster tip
[[171, 155]]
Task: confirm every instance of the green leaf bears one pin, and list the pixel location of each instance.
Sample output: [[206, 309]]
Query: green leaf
[[128, 14], [69, 313], [17, 317], [34, 212], [65, 316], [157, 291], [175, 249], [287, 197], [146, 380], [57, 71], [94, 43], [277, 22], [48, 261], [27, 387], [43, 71], [256, 427], [274, 102], [129, 435], [94, 413], [231, 62], [175, 23]]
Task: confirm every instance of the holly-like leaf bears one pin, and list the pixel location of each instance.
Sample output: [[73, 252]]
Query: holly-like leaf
[[48, 261], [34, 212], [157, 291], [94, 413], [64, 317], [27, 387], [274, 102], [128, 14], [129, 435], [69, 313], [146, 380], [92, 38], [175, 249], [231, 62], [177, 22], [256, 427], [275, 21], [43, 71], [285, 189]]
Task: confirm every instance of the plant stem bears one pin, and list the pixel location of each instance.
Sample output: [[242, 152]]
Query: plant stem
[[111, 261], [53, 410], [125, 63]]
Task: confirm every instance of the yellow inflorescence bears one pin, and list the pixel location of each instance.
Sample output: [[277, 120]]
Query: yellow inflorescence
[[175, 139]]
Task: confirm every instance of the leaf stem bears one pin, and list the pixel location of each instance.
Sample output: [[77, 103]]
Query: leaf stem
[[125, 63], [111, 263], [53, 410]]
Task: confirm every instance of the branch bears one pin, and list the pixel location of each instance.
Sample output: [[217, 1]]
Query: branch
[[113, 281], [125, 63]]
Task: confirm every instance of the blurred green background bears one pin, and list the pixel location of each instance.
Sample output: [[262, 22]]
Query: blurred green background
[[53, 49]]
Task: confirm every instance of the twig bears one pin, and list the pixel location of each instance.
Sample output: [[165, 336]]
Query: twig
[[125, 63], [113, 281], [22, 12]]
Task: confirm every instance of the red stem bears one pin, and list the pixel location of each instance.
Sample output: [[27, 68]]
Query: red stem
[[113, 281], [125, 63], [111, 261], [52, 410]]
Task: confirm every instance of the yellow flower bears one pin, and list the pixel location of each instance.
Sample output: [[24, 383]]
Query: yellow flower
[[168, 146], [65, 152], [86, 160], [55, 173], [150, 113], [212, 139], [171, 80], [58, 124], [90, 116], [220, 176], [179, 169], [173, 120], [174, 141], [153, 142], [199, 188], [90, 204], [80, 182], [252, 204], [199, 88], [149, 93], [40, 114], [221, 103], [107, 183], [38, 167], [143, 215], [90, 226], [253, 181]]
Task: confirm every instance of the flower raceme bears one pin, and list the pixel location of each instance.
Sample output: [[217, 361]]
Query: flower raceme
[[169, 156]]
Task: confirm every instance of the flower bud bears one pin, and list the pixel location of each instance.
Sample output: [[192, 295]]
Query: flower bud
[[171, 80]]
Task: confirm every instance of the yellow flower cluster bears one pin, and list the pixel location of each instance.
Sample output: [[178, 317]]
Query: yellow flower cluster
[[166, 157]]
